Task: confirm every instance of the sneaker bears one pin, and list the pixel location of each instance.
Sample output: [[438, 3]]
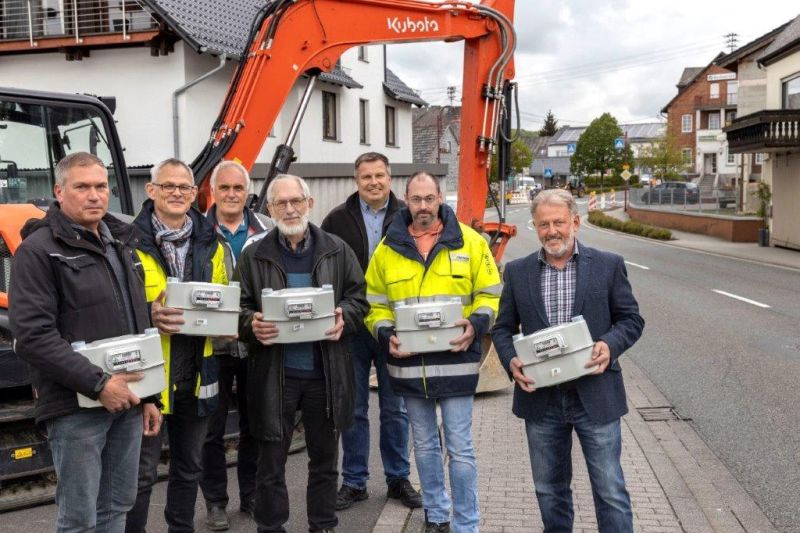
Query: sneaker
[[433, 527], [347, 496], [217, 518], [401, 489]]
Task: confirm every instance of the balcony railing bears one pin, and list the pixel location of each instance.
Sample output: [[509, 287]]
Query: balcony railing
[[776, 130], [706, 102], [36, 20]]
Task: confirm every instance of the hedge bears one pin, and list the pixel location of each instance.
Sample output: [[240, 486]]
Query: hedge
[[598, 218]]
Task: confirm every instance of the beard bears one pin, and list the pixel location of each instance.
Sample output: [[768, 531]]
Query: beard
[[424, 218], [293, 229], [557, 248]]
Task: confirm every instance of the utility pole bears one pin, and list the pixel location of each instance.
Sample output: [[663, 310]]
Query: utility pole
[[451, 94], [731, 39]]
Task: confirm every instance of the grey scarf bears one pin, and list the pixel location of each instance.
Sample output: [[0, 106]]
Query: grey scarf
[[174, 244]]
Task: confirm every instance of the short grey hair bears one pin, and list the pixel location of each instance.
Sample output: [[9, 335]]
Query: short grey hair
[[282, 177], [170, 162], [230, 164], [78, 159], [554, 197]]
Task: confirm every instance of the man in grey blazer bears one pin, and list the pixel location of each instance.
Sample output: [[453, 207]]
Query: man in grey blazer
[[561, 280]]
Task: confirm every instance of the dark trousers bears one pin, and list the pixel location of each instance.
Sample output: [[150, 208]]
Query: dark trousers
[[185, 432], [272, 499], [214, 480]]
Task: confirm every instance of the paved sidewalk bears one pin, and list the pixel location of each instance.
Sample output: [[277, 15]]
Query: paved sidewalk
[[676, 483], [749, 251]]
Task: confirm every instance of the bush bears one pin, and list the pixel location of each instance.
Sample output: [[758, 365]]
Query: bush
[[598, 218]]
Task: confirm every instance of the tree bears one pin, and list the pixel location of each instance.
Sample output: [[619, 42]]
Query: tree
[[521, 158], [595, 152], [550, 125], [663, 158]]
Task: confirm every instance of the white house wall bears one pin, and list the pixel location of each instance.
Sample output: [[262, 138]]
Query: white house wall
[[143, 86], [136, 79]]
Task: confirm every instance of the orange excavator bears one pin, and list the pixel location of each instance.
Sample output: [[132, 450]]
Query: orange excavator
[[289, 40]]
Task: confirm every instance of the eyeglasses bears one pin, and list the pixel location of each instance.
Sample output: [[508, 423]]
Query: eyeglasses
[[169, 188], [417, 200], [296, 203]]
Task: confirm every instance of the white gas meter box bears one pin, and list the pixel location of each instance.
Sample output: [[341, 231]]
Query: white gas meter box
[[129, 353], [209, 309], [428, 326], [302, 314], [557, 354]]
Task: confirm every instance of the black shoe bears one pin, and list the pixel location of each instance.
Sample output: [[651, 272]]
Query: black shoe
[[401, 489], [217, 518], [347, 496], [433, 527], [331, 530]]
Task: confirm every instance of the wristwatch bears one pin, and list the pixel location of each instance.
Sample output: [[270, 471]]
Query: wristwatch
[[100, 384]]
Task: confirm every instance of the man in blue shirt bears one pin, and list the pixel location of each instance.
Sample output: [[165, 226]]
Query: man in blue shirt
[[361, 221], [237, 227]]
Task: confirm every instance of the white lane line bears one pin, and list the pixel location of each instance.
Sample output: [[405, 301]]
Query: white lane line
[[741, 298], [637, 265]]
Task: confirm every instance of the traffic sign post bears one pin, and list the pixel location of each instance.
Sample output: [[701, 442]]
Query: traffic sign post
[[619, 143], [626, 175]]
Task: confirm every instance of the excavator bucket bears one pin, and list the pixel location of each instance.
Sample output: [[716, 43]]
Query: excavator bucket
[[492, 376]]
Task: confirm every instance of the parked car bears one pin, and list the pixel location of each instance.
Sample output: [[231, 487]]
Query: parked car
[[672, 192]]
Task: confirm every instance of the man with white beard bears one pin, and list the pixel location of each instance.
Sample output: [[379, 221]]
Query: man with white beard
[[313, 377], [549, 287]]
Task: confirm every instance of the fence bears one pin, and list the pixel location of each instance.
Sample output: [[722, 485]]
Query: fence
[[676, 199]]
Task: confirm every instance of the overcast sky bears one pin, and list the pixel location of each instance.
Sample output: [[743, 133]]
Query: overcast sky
[[581, 58]]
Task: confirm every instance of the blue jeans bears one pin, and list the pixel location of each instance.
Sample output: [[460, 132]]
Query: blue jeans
[[96, 458], [550, 445], [463, 469], [394, 421]]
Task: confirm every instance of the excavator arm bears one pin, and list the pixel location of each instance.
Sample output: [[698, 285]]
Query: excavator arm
[[290, 39]]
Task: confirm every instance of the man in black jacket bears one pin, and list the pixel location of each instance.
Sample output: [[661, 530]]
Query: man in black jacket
[[315, 377], [361, 221], [75, 277]]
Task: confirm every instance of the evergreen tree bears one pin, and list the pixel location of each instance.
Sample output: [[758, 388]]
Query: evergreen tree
[[550, 125]]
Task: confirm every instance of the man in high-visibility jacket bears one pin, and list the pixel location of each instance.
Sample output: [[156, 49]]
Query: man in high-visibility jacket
[[177, 241], [427, 254]]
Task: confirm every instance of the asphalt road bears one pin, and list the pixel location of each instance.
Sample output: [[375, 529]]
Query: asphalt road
[[722, 343]]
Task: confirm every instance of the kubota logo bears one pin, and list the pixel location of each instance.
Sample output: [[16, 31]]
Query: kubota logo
[[411, 25]]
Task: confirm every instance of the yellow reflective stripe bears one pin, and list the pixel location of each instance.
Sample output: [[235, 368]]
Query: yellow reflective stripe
[[377, 299], [433, 371], [208, 391], [491, 289], [465, 300]]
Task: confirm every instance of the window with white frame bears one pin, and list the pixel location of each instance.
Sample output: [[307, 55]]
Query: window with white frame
[[686, 153], [330, 131], [363, 54], [391, 126], [791, 92], [713, 121], [686, 124], [731, 158], [363, 121], [759, 158], [713, 91]]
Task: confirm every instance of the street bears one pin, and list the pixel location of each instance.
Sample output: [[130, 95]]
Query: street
[[721, 342], [730, 365]]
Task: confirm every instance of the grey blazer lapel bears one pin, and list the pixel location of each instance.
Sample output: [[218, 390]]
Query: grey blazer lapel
[[582, 278], [535, 288]]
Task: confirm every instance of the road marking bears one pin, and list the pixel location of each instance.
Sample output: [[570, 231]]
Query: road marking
[[741, 298], [637, 266]]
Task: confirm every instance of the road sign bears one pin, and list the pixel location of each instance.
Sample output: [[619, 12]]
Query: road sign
[[625, 166], [619, 143], [548, 173], [570, 148], [626, 174]]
